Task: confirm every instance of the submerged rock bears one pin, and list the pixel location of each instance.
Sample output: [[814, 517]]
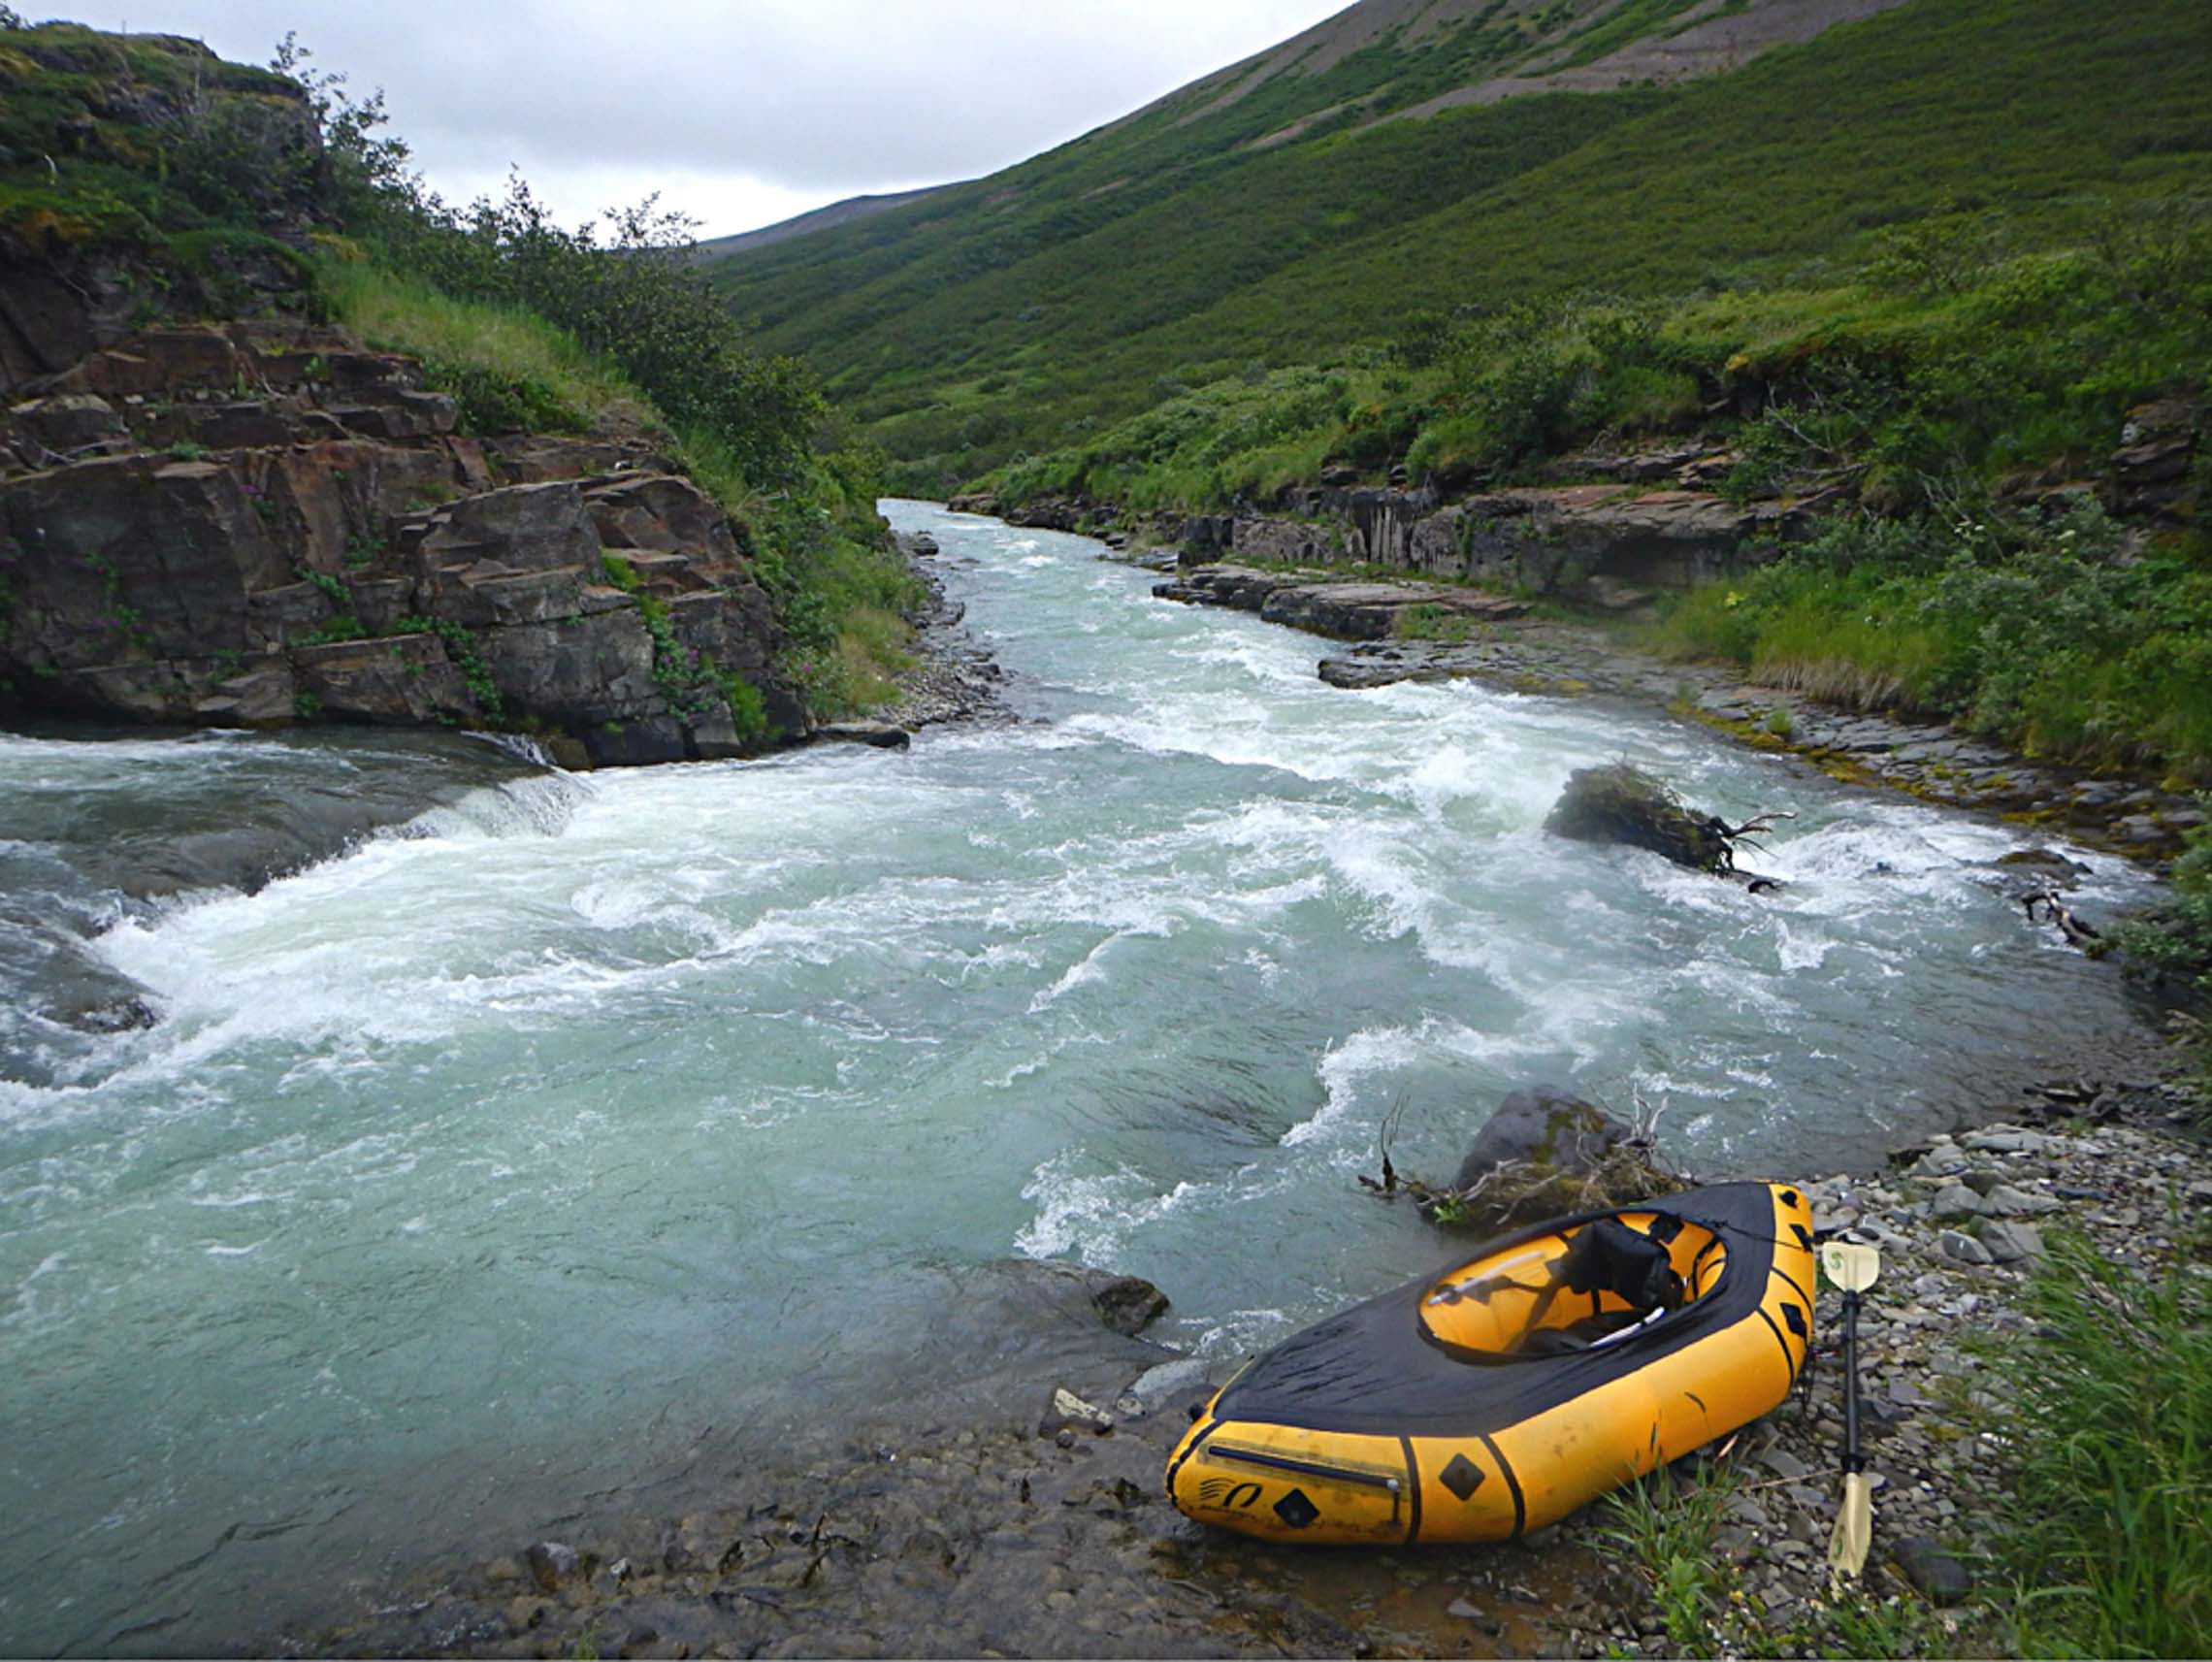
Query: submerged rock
[[551, 1563], [1129, 1304]]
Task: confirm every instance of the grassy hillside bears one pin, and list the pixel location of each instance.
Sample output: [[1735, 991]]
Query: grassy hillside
[[1023, 311], [1930, 270]]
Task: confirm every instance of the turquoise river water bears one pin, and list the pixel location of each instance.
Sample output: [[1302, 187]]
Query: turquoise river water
[[477, 1174]]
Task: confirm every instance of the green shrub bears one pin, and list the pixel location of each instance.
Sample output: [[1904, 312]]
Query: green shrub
[[2175, 939], [2041, 632]]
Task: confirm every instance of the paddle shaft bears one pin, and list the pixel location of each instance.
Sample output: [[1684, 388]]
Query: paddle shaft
[[1853, 1460]]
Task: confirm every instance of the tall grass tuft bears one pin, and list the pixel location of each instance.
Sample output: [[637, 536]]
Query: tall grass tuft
[[2111, 1533], [511, 369], [1666, 1524]]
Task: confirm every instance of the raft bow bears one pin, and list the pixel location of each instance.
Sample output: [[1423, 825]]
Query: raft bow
[[1517, 1385]]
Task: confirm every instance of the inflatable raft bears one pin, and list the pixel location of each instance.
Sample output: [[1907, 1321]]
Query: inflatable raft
[[1497, 1397]]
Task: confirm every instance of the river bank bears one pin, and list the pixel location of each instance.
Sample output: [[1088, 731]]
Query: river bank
[[948, 1531], [995, 1537]]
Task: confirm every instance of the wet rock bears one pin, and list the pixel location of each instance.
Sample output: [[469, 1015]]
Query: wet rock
[[877, 735], [551, 1564], [1542, 1125], [115, 1016], [1476, 1615], [1129, 1304], [2042, 858], [1940, 1576], [1618, 803], [1066, 1412], [1169, 1382]]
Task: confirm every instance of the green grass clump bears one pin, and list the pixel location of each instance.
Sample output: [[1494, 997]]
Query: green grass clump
[[1666, 1525], [511, 369], [2111, 1535], [2046, 634]]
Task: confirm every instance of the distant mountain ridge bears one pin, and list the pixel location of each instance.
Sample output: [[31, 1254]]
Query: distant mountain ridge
[[807, 224], [1567, 48]]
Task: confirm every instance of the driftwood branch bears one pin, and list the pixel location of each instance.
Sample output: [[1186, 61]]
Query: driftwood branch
[[2077, 933], [1757, 824]]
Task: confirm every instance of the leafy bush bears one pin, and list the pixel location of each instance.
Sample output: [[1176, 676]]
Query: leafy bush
[[2176, 939]]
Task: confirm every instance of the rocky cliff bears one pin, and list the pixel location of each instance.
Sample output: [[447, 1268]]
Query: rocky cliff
[[260, 523], [256, 521]]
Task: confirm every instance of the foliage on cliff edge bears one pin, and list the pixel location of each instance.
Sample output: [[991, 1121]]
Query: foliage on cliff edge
[[155, 156]]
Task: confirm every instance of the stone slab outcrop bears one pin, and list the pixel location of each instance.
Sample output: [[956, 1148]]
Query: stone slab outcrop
[[262, 523], [1349, 612], [1596, 542]]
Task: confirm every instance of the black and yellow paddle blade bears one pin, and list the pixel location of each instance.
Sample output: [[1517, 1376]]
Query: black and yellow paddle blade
[[1854, 1529], [1853, 1268], [1850, 1267]]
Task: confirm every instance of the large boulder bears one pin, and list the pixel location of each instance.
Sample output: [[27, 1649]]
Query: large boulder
[[1622, 804], [1542, 1125]]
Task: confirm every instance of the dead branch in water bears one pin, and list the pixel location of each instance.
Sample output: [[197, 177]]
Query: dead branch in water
[[2078, 933], [1388, 1132]]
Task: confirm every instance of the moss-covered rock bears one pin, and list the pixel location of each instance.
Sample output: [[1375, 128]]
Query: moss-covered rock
[[1624, 805]]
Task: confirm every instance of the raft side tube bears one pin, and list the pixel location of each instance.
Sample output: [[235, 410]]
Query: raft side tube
[[1369, 1427]]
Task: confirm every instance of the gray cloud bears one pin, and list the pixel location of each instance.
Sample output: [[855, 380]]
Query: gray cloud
[[761, 108]]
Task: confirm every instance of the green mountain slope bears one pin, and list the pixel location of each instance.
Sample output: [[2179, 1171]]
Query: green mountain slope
[[1020, 311]]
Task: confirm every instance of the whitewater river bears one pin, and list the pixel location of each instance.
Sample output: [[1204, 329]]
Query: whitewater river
[[491, 1170]]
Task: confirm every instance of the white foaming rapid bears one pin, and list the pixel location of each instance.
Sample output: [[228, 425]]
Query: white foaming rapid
[[501, 1154]]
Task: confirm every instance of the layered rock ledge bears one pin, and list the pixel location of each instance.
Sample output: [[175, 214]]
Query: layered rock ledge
[[261, 523]]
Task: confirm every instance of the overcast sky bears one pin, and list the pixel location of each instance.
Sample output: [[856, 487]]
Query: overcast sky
[[743, 112]]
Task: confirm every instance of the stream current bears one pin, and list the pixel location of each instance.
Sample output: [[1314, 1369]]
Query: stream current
[[495, 1169]]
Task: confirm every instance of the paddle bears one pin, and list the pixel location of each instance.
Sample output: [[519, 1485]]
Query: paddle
[[1852, 1268]]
